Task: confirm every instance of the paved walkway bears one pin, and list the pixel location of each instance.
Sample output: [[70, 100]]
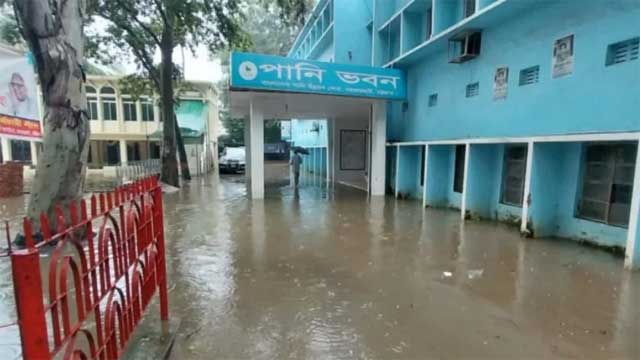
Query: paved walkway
[[329, 274]]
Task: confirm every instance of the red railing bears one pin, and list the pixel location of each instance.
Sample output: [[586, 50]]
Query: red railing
[[106, 261]]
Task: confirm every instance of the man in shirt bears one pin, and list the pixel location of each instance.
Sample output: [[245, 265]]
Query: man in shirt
[[296, 161]]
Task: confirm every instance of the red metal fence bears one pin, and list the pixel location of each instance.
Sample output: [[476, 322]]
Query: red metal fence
[[106, 261]]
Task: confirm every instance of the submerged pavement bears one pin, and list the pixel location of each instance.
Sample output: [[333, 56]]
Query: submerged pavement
[[326, 273], [329, 274]]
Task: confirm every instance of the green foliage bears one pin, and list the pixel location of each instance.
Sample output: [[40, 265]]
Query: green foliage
[[9, 30]]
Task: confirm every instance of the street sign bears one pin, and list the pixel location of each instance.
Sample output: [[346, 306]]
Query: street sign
[[280, 74]]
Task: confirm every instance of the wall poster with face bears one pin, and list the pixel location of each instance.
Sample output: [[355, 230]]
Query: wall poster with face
[[562, 63], [19, 115], [500, 83]]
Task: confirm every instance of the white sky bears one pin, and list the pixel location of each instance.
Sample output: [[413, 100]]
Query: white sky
[[198, 67]]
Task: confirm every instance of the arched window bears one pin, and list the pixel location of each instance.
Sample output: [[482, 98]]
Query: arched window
[[108, 100], [92, 103]]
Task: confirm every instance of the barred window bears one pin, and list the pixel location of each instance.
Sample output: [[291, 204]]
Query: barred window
[[513, 175]]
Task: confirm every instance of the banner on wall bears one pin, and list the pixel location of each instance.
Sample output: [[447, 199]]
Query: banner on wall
[[500, 83], [562, 63], [19, 114]]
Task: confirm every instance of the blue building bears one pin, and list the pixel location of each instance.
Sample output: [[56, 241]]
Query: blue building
[[523, 111]]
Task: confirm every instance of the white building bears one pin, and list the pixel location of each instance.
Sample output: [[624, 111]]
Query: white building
[[124, 130]]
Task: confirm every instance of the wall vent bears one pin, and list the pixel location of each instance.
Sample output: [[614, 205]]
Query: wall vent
[[530, 75], [623, 51], [433, 100], [473, 89]]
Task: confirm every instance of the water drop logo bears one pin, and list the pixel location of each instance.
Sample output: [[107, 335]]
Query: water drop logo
[[248, 70]]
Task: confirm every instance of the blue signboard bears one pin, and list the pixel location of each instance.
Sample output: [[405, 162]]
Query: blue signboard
[[274, 73]]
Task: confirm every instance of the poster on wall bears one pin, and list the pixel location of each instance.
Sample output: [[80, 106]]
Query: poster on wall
[[562, 63], [353, 150], [19, 114], [500, 83]]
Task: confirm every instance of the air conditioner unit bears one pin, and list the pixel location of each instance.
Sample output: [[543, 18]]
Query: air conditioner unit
[[465, 46]]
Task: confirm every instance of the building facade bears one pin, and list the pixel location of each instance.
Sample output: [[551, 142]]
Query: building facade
[[518, 110], [126, 130]]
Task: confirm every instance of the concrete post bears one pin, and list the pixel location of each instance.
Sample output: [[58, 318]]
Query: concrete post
[[527, 188], [247, 150], [6, 149], [377, 171], [426, 176], [256, 135], [34, 152], [632, 257], [123, 152], [397, 172], [465, 182]]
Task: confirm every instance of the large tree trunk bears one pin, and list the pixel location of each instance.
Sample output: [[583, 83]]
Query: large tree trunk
[[182, 153], [55, 36], [169, 173]]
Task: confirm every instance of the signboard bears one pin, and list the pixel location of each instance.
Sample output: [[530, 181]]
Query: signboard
[[280, 74], [500, 83], [562, 63], [13, 126], [19, 114]]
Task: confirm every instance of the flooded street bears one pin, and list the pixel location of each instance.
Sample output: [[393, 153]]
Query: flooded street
[[326, 273], [329, 274]]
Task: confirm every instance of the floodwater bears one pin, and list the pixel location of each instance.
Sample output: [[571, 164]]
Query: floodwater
[[326, 273]]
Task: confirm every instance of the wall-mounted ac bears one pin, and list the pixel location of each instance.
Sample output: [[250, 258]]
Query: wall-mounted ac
[[465, 46]]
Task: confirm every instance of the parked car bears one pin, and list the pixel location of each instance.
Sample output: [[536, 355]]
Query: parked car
[[233, 160]]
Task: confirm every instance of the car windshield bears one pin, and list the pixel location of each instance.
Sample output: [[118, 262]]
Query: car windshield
[[234, 153]]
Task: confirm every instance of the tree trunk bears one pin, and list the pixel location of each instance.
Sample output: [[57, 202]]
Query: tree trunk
[[169, 173], [182, 152], [56, 39]]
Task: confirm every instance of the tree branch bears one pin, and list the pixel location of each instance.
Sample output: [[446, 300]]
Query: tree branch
[[144, 26]]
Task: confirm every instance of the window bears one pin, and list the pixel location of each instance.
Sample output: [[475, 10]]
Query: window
[[530, 75], [129, 111], [147, 111], [109, 107], [473, 89], [458, 177], [92, 103], [623, 51], [433, 100], [469, 7], [607, 183], [21, 150], [513, 174]]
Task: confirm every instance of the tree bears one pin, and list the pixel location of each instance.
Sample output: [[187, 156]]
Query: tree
[[272, 27], [53, 31], [142, 27]]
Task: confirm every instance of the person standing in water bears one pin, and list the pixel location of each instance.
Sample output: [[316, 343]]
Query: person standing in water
[[296, 161]]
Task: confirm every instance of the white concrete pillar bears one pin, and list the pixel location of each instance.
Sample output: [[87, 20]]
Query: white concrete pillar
[[527, 188], [6, 149], [256, 135], [426, 177], [34, 152], [123, 152], [632, 257], [247, 151], [377, 171], [465, 182], [397, 173]]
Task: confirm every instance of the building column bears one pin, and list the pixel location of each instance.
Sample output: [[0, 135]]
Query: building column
[[123, 152], [256, 136], [396, 179], [377, 171], [465, 182], [527, 189], [632, 256], [6, 149], [247, 151], [34, 152], [424, 180]]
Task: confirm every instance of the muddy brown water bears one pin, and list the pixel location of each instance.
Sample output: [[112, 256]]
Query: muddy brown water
[[326, 273]]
